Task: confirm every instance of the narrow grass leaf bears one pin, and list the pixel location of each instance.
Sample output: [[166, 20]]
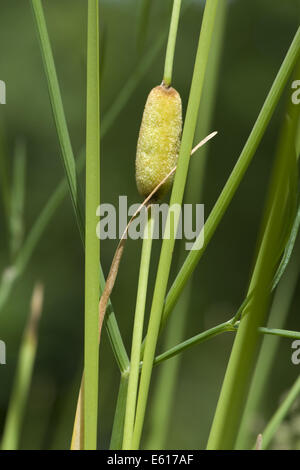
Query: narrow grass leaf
[[58, 111], [23, 375], [236, 176], [92, 243], [244, 352], [280, 414]]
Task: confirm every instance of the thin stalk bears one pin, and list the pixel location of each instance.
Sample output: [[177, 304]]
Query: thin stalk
[[118, 425], [23, 376], [62, 130], [77, 442], [244, 352], [279, 332], [279, 312], [58, 111], [280, 414], [162, 402], [60, 193], [200, 338], [168, 70], [92, 243], [176, 199], [236, 176], [130, 85], [138, 332], [69, 163], [115, 108], [278, 315], [214, 331], [13, 273]]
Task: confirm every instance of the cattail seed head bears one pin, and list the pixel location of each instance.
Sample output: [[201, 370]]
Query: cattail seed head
[[159, 140]]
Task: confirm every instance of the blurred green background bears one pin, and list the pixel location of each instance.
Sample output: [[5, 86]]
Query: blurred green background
[[258, 34]]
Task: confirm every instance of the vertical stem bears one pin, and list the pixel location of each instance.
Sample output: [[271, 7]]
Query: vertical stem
[[168, 375], [279, 311], [92, 250], [280, 414], [259, 386], [171, 43], [69, 164], [138, 332], [23, 375], [237, 174], [176, 200], [242, 360], [58, 110], [118, 425]]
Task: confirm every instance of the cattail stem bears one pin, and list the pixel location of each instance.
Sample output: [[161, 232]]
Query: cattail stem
[[138, 332], [236, 176], [176, 200], [171, 43], [92, 243], [243, 356]]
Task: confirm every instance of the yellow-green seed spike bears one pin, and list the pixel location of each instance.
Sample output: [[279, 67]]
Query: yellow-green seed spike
[[159, 140]]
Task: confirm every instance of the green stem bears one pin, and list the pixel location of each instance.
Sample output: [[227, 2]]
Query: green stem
[[162, 403], [68, 158], [92, 243], [280, 414], [23, 375], [58, 111], [279, 312], [200, 338], [126, 91], [216, 330], [171, 43], [138, 333], [244, 352], [118, 426], [60, 193], [280, 332], [176, 200], [236, 176], [114, 334]]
